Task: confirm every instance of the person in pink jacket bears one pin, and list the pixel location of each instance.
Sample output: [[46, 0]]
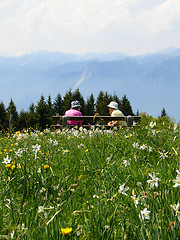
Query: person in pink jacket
[[74, 111]]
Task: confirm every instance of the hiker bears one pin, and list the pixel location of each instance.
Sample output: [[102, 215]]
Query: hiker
[[115, 112], [74, 111]]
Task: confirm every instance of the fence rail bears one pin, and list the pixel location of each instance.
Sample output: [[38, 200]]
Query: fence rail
[[94, 120]]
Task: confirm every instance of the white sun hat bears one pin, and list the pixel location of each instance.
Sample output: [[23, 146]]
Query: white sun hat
[[113, 105]]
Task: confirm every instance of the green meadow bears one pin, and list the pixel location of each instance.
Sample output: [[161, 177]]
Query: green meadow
[[96, 184]]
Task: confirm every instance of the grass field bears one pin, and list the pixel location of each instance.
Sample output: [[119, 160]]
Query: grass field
[[123, 184]]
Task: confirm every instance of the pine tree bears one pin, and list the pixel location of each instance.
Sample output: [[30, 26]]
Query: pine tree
[[126, 107], [90, 106], [163, 113], [101, 104], [49, 102], [42, 113], [11, 109], [78, 96], [58, 105], [50, 109], [23, 120], [107, 99], [3, 117], [32, 120], [67, 101], [138, 113]]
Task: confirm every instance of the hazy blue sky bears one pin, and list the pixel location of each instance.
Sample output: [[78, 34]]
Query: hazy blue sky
[[80, 26]]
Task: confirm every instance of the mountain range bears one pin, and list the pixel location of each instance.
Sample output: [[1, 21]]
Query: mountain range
[[151, 82]]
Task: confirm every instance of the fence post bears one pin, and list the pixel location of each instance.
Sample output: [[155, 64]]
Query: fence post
[[129, 121], [10, 124], [64, 121]]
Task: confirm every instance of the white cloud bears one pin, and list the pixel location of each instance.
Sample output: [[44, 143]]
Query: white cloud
[[161, 18], [86, 25]]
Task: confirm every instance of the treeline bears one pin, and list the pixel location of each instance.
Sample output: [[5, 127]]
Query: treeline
[[40, 116]]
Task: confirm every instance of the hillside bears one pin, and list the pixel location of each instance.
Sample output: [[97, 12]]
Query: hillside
[[150, 81]]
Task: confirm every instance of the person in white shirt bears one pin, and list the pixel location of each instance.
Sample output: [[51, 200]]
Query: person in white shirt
[[115, 112]]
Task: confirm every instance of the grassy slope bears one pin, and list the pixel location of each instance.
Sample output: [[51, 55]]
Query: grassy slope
[[80, 189]]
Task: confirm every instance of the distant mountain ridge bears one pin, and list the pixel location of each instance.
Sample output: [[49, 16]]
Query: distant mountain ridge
[[150, 81]]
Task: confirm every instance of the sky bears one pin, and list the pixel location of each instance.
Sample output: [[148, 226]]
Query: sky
[[132, 27]]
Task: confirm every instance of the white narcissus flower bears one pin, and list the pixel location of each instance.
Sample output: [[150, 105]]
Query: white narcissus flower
[[152, 124], [123, 189], [136, 145], [175, 127], [95, 196], [143, 147], [80, 145], [163, 154], [7, 160], [50, 140], [175, 152], [150, 149], [36, 147], [177, 181], [55, 143], [178, 172], [40, 209], [154, 181], [126, 163], [176, 208], [65, 151], [19, 152], [23, 227], [134, 198], [42, 190], [144, 214], [12, 234]]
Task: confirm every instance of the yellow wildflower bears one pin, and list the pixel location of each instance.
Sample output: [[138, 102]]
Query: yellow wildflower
[[13, 167], [8, 165], [86, 150], [46, 167], [80, 176], [115, 196], [66, 231]]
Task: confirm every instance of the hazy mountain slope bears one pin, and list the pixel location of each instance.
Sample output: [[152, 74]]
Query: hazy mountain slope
[[150, 81]]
